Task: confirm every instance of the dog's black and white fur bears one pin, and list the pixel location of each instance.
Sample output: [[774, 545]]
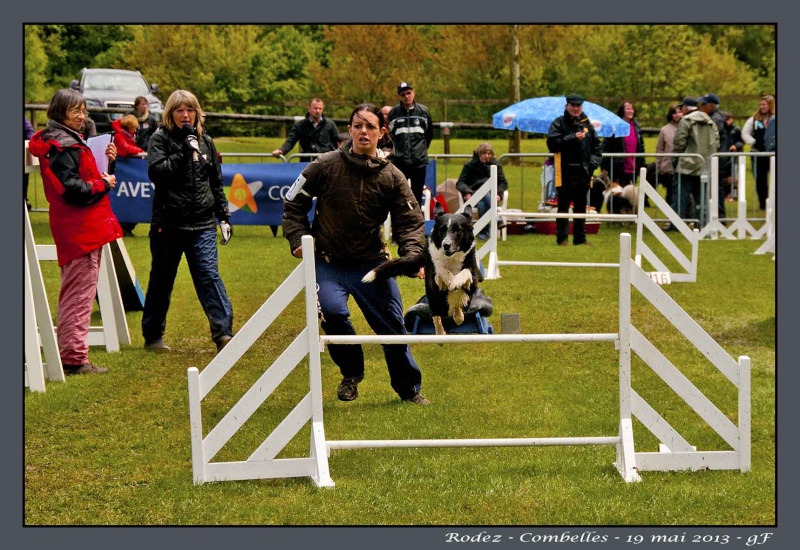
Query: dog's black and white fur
[[451, 267]]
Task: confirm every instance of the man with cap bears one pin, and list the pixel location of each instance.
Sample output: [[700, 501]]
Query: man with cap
[[709, 104], [688, 105], [411, 127], [695, 134], [577, 154]]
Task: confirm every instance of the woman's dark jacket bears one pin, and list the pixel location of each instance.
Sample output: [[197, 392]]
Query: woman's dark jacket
[[354, 195], [188, 193], [475, 173], [579, 158], [617, 145]]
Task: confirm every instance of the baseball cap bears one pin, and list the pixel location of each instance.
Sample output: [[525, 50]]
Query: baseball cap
[[708, 98], [575, 99], [689, 102], [404, 86]]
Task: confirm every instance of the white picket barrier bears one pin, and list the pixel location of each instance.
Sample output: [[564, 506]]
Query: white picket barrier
[[741, 227], [642, 219], [675, 453], [39, 330]]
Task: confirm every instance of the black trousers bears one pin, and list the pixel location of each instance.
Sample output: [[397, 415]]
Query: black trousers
[[574, 193]]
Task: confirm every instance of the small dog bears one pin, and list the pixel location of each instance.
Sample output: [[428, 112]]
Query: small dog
[[451, 267], [620, 200]]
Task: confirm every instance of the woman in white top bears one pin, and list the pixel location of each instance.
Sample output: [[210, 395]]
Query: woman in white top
[[753, 135]]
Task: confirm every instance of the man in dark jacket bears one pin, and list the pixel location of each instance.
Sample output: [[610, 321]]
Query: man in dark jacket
[[411, 127], [315, 133], [577, 155]]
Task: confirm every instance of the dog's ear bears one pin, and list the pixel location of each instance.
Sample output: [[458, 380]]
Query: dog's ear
[[467, 212], [438, 209]]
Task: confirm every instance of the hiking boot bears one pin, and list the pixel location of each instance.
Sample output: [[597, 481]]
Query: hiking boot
[[157, 346], [587, 243], [418, 399], [348, 388], [222, 342], [86, 368]]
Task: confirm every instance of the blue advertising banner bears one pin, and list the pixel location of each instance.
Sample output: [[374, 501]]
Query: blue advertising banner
[[255, 191]]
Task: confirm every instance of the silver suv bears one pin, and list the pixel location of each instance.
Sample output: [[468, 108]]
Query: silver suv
[[114, 88]]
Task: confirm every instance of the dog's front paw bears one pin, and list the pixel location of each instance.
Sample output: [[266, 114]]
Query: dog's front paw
[[462, 280], [443, 278], [437, 323], [458, 316]]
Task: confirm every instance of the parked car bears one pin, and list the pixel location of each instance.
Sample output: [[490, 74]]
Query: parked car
[[114, 88]]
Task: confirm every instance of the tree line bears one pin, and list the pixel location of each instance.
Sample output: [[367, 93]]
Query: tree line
[[462, 73]]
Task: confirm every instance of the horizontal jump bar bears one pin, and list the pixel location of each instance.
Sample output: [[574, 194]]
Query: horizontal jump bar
[[556, 264], [503, 442], [546, 215], [464, 338]]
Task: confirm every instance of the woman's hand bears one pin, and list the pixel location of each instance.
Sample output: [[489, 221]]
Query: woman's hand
[[111, 152], [298, 252], [110, 179]]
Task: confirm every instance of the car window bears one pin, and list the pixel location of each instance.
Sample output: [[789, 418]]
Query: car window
[[132, 83]]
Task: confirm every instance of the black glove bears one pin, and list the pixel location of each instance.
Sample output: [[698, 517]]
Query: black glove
[[227, 232]]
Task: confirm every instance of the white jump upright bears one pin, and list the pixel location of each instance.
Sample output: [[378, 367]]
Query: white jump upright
[[675, 452], [769, 228], [490, 217], [644, 221], [40, 336], [39, 330], [262, 464]]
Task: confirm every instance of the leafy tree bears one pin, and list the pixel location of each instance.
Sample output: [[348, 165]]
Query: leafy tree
[[36, 85]]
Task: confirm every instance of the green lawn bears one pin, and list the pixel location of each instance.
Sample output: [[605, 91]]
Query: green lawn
[[115, 449]]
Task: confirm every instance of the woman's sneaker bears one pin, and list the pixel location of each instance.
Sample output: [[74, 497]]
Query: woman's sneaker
[[418, 399], [86, 368], [348, 388]]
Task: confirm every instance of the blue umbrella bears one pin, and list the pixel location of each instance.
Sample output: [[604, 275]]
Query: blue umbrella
[[536, 114]]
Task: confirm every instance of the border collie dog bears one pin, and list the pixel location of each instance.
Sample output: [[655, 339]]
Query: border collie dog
[[451, 267]]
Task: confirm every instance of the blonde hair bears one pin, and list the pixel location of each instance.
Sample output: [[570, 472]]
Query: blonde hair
[[771, 102], [177, 99], [130, 123]]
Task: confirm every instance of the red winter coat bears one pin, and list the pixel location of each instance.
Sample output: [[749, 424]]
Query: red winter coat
[[125, 141], [81, 219]]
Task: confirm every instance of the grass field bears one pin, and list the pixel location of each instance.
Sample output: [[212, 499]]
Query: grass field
[[115, 449]]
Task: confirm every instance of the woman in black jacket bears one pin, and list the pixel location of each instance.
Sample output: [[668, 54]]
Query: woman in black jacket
[[475, 173], [184, 166]]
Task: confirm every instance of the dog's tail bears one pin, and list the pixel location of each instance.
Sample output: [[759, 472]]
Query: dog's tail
[[407, 265]]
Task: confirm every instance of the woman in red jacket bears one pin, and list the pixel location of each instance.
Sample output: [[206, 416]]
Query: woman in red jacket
[[125, 136], [81, 220]]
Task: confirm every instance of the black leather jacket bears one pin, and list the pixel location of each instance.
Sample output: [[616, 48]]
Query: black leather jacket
[[188, 193]]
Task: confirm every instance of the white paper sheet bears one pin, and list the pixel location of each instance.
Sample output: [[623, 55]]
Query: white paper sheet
[[98, 146]]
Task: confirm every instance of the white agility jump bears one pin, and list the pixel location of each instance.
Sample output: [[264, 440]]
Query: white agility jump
[[675, 452], [40, 336], [642, 219]]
